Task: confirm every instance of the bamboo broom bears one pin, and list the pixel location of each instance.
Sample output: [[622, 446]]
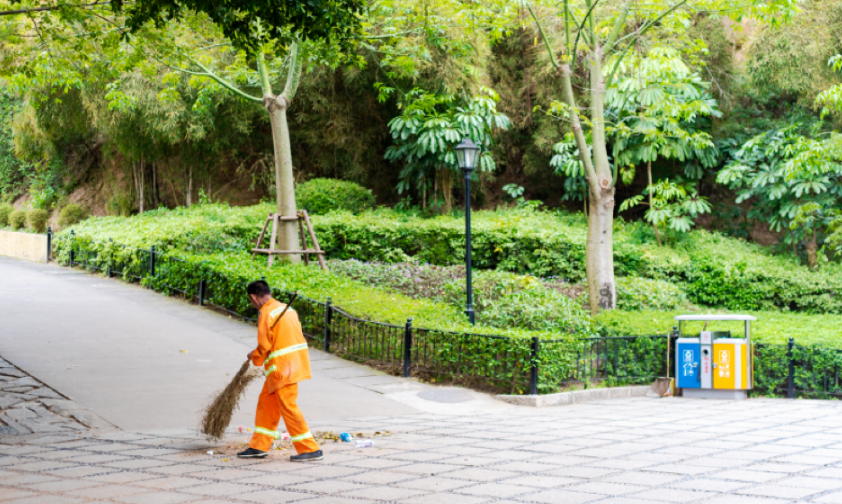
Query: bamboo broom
[[218, 413]]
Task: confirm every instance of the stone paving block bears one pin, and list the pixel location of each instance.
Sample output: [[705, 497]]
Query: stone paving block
[[380, 477], [444, 498], [106, 492], [434, 484], [807, 459], [822, 484], [96, 458], [678, 469], [217, 489], [179, 469], [581, 472], [673, 495], [45, 499], [222, 474], [626, 500], [60, 485], [151, 452], [562, 497], [138, 464], [832, 498], [775, 490], [80, 471], [42, 465], [374, 463], [121, 477], [602, 487], [157, 498], [414, 456], [427, 469], [168, 482], [826, 472], [541, 481], [326, 486], [13, 493], [714, 462], [643, 478], [710, 485], [318, 472], [564, 460], [525, 467], [382, 493], [25, 479], [335, 500], [776, 467], [623, 464], [496, 490], [107, 447]]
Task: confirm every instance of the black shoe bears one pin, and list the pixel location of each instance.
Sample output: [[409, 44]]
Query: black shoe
[[308, 457], [252, 453]]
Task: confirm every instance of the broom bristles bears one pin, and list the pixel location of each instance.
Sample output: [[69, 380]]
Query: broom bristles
[[219, 412]]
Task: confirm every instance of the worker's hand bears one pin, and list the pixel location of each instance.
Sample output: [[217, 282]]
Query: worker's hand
[[248, 356]]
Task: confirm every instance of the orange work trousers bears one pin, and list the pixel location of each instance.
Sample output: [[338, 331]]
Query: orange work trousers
[[270, 409]]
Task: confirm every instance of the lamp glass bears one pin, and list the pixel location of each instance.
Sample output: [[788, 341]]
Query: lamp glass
[[466, 154]]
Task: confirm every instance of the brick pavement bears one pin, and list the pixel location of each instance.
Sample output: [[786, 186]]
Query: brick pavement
[[28, 406], [632, 451]]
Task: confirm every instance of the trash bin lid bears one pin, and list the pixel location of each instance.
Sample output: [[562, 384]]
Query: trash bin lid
[[716, 316]]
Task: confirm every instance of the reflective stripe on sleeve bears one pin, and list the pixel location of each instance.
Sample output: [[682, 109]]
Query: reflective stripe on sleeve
[[267, 432], [277, 311], [287, 350], [271, 368], [302, 437]]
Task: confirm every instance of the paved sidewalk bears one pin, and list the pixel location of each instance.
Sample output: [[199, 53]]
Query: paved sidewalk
[[633, 451], [143, 361]]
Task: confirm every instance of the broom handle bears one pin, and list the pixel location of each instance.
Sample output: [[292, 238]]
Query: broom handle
[[289, 303]]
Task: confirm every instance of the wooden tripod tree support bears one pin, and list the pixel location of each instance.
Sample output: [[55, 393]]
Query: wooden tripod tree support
[[303, 220]]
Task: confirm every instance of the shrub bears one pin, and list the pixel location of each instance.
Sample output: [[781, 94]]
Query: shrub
[[70, 215], [37, 220], [647, 294], [322, 195], [17, 219], [712, 269], [5, 210]]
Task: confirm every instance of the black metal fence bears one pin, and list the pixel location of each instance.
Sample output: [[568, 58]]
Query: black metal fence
[[495, 362]]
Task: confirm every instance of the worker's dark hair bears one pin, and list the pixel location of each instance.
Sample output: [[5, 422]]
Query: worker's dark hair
[[259, 288]]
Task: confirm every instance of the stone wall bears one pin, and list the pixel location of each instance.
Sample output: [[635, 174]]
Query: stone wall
[[26, 246]]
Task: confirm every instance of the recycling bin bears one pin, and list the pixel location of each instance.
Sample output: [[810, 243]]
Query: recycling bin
[[714, 365]]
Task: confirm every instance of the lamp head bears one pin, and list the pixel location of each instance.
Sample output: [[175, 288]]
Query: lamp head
[[467, 153]]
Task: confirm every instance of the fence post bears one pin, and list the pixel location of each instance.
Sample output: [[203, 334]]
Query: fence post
[[110, 254], [790, 382], [72, 245], [533, 375], [328, 318], [202, 289], [407, 347], [152, 261], [49, 242]]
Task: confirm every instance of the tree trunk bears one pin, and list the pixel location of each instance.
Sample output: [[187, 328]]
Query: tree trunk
[[141, 193], [812, 252], [599, 254], [156, 197], [284, 184], [189, 186], [654, 225]]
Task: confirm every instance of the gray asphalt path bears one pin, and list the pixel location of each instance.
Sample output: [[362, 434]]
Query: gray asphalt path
[[147, 362]]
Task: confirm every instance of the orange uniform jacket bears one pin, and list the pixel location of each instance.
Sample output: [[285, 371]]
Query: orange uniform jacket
[[281, 347]]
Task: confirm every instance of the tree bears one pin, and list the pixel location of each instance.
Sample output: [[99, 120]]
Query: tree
[[654, 108], [426, 133], [793, 182], [606, 33]]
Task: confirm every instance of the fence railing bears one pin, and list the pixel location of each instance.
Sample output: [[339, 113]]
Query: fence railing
[[493, 362]]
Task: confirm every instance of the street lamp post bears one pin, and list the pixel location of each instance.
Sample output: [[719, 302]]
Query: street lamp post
[[466, 154]]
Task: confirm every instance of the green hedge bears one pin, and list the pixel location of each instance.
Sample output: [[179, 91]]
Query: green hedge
[[17, 219], [5, 210], [464, 355], [712, 269], [322, 195]]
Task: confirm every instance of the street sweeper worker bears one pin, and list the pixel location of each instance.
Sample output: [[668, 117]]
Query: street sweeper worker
[[282, 351]]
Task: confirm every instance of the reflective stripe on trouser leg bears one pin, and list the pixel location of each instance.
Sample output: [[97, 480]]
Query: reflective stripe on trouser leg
[[302, 439], [267, 417]]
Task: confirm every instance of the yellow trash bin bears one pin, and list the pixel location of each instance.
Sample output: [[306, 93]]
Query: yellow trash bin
[[730, 364]]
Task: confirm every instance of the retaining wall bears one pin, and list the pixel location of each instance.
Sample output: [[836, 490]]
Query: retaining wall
[[26, 246]]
